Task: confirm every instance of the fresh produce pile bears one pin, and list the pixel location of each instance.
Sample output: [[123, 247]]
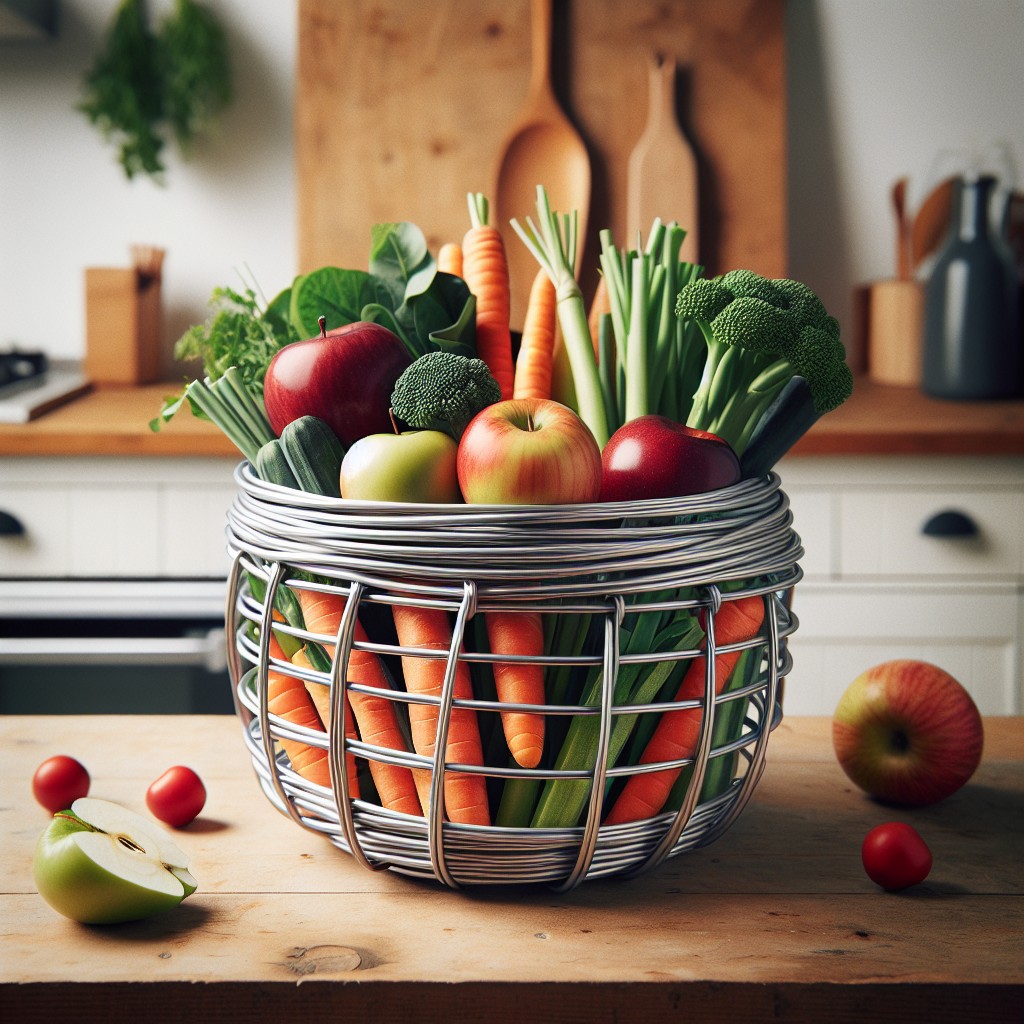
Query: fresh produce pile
[[405, 383]]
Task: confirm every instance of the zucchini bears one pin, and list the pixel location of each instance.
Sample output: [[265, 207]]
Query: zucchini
[[314, 455], [272, 466]]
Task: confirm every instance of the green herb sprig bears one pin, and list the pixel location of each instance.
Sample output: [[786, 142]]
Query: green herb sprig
[[146, 86]]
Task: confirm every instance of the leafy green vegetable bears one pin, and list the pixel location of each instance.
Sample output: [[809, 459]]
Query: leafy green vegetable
[[124, 91], [196, 71], [145, 84], [239, 334], [402, 290]]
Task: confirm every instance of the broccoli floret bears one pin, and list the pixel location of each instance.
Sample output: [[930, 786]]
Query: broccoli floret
[[761, 333], [443, 391]]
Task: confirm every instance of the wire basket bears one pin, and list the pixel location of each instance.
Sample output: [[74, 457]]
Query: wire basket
[[619, 587]]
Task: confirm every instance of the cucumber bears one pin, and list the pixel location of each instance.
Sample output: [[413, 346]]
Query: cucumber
[[272, 466], [314, 455]]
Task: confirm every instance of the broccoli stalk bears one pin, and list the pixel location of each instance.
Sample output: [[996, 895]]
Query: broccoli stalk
[[761, 334], [443, 391]]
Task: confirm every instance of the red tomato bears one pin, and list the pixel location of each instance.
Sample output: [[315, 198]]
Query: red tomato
[[177, 796], [58, 782], [895, 856]]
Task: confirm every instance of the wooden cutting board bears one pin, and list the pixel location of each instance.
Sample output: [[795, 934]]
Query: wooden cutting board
[[401, 109]]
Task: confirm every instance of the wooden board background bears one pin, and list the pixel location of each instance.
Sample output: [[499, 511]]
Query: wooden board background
[[401, 109]]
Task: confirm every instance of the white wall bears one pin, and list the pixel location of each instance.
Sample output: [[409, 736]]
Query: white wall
[[65, 203], [879, 89], [885, 88]]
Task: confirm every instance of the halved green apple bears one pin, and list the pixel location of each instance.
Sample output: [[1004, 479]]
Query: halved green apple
[[101, 863]]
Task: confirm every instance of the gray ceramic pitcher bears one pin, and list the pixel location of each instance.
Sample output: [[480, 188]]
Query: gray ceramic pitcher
[[972, 338]]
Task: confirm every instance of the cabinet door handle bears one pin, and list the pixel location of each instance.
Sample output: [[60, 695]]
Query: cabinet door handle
[[10, 525], [950, 523]]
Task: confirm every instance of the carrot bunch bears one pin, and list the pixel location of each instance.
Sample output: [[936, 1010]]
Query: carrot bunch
[[428, 629], [677, 733], [375, 718]]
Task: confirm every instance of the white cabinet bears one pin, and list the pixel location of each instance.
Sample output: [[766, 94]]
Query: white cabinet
[[881, 583], [115, 517]]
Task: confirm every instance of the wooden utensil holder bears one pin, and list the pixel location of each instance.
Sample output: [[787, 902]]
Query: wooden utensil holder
[[895, 324], [123, 325]]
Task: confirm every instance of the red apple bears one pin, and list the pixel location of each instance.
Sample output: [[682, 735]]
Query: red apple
[[655, 457], [528, 451], [907, 733], [344, 376]]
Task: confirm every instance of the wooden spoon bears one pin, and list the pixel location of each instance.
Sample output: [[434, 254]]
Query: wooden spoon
[[543, 148], [931, 224], [662, 172]]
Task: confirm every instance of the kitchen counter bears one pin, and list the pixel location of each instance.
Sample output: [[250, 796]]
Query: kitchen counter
[[877, 420], [775, 920]]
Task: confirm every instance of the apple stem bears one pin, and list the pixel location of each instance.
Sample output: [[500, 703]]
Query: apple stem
[[322, 321], [394, 422]]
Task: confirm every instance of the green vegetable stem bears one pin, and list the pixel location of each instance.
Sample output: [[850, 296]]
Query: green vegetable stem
[[554, 247], [658, 357]]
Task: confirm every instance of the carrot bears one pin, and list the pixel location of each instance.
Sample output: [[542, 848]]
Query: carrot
[[599, 305], [287, 698], [465, 796], [677, 732], [374, 716], [536, 350], [449, 259], [322, 701], [485, 271], [519, 633]]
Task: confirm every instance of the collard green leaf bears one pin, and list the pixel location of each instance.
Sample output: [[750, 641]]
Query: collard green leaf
[[339, 295], [400, 259]]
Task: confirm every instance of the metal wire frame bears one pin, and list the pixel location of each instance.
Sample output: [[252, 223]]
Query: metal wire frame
[[375, 555]]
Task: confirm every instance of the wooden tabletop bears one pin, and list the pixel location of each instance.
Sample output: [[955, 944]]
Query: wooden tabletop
[[877, 420], [776, 920]]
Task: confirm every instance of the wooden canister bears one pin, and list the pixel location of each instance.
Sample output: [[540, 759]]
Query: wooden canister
[[895, 329], [123, 314]]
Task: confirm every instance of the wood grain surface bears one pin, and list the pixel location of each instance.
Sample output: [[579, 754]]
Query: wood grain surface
[[878, 420], [776, 920], [401, 110]]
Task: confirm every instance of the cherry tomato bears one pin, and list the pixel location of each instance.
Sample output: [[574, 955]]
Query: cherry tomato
[[895, 856], [58, 782], [177, 796]]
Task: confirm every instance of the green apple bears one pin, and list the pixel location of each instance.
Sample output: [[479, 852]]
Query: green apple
[[416, 465], [100, 863]]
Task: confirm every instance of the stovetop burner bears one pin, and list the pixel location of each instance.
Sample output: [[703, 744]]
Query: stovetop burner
[[18, 369]]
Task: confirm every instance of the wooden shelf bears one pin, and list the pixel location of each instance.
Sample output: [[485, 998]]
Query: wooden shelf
[[884, 420], [114, 421], [877, 420]]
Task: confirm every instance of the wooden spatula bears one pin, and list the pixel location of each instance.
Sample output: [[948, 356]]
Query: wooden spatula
[[662, 171]]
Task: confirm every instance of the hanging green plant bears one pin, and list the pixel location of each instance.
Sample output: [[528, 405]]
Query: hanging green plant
[[146, 86]]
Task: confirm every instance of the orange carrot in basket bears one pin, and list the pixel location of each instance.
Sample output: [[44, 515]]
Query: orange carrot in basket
[[485, 271], [465, 796], [400, 789], [677, 732], [287, 698], [322, 701], [519, 633], [536, 350], [449, 259]]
